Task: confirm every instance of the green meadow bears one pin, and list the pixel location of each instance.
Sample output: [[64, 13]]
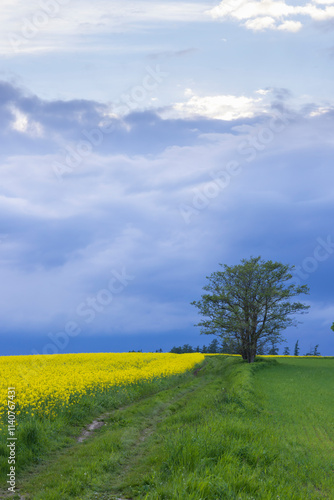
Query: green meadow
[[230, 430]]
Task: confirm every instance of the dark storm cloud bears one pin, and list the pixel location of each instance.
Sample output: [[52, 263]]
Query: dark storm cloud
[[123, 206]]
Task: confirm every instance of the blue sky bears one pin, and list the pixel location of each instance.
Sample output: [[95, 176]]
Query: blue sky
[[144, 143]]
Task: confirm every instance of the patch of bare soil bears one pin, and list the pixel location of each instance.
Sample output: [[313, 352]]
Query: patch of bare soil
[[6, 494], [199, 369], [96, 424]]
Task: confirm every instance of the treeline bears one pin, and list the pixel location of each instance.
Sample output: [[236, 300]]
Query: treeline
[[312, 352], [230, 348], [212, 348], [223, 347]]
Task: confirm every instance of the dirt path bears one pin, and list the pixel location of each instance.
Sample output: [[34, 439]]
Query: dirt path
[[115, 444]]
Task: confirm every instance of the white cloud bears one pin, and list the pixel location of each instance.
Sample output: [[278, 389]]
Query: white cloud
[[188, 93], [222, 107], [321, 110], [292, 26], [271, 14], [260, 23], [318, 14], [22, 124], [243, 10], [35, 26]]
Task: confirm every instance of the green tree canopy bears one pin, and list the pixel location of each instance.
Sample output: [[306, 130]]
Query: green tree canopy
[[297, 349], [250, 304]]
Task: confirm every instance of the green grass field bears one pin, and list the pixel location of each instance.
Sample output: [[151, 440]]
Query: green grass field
[[230, 431]]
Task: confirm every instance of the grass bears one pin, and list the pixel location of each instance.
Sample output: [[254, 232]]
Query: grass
[[38, 438], [233, 431], [300, 411]]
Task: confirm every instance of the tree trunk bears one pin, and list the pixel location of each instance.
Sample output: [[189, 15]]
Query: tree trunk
[[248, 351], [249, 356]]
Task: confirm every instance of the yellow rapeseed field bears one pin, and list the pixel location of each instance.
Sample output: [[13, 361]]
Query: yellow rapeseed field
[[44, 384]]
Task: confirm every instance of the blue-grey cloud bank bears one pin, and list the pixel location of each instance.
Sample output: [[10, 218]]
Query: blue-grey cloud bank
[[110, 222]]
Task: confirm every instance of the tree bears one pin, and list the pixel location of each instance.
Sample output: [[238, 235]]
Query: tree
[[332, 327], [187, 348], [229, 346], [260, 350], [286, 351], [313, 352], [273, 351], [182, 349], [296, 351], [250, 303], [213, 347]]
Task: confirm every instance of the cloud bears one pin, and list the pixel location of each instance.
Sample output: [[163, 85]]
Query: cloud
[[263, 23], [60, 24], [274, 15], [260, 23], [221, 107], [57, 126], [121, 207], [320, 110], [292, 26]]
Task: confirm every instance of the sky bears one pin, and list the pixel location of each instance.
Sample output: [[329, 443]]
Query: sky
[[143, 143]]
